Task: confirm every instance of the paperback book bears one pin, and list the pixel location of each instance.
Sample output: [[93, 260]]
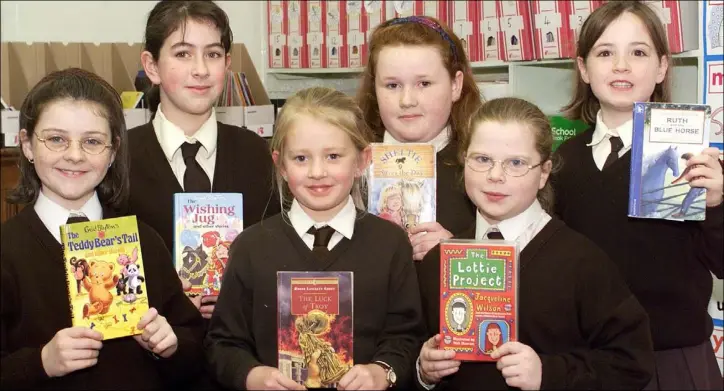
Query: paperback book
[[665, 137], [315, 326], [105, 275], [402, 183], [478, 297]]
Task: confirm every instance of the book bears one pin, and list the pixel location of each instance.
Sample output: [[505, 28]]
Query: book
[[478, 296], [315, 326], [205, 226], [105, 275], [403, 183], [665, 136]]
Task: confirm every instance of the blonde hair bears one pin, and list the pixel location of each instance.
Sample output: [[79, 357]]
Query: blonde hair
[[330, 106], [585, 105], [507, 110], [392, 33], [385, 194]]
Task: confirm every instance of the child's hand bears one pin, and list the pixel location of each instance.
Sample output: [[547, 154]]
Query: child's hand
[[71, 349], [270, 378], [207, 306], [520, 365], [364, 377], [708, 174], [425, 236], [436, 363], [158, 336], [196, 300]]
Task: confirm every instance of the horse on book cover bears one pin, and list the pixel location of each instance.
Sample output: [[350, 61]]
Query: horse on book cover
[[653, 174]]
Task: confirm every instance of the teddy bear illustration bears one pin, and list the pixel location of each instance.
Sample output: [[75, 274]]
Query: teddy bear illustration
[[98, 283]]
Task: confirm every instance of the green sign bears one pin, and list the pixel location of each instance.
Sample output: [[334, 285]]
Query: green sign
[[564, 129], [477, 271]]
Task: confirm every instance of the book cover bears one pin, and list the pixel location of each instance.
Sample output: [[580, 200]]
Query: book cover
[[478, 297], [205, 226], [315, 326], [402, 183], [105, 275], [665, 136]]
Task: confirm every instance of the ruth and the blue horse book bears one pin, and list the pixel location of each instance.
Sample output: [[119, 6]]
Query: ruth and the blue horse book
[[665, 136]]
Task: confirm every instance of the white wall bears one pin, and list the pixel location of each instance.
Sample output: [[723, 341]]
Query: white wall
[[116, 21]]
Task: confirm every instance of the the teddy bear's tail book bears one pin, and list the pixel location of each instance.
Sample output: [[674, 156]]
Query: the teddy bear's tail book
[[105, 275]]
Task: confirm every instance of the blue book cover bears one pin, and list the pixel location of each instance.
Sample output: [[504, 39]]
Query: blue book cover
[[665, 136], [205, 225]]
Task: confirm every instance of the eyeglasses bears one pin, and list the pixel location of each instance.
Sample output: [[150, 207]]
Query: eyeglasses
[[514, 166], [90, 145]]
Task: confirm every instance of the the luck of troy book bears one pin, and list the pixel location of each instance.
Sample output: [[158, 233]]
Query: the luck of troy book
[[402, 183], [665, 136], [314, 328], [205, 226], [105, 275], [478, 296]]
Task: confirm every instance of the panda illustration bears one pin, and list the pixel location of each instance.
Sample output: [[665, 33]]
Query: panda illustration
[[134, 278]]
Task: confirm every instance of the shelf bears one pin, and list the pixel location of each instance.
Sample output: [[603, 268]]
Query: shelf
[[474, 65]]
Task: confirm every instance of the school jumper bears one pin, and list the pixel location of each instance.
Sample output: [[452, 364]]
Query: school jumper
[[666, 264], [387, 319], [35, 306], [574, 310]]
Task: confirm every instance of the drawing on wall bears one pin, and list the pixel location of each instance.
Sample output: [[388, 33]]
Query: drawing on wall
[[714, 31]]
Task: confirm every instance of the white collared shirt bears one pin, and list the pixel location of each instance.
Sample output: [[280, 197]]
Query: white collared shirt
[[53, 215], [440, 141], [171, 137], [601, 146], [343, 223], [521, 228]]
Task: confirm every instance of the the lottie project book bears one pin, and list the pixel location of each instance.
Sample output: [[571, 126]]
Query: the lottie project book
[[402, 183], [315, 326], [105, 275], [478, 297], [205, 226], [665, 136]]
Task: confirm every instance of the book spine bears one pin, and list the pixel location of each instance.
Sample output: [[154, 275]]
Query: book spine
[[68, 277], [637, 150]]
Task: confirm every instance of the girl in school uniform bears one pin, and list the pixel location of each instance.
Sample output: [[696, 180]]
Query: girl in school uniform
[[623, 58], [74, 162], [579, 326], [321, 151], [184, 148], [418, 87]]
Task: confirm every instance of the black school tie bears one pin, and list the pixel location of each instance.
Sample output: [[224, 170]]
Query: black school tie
[[495, 235], [321, 239], [195, 179], [616, 145], [76, 218]]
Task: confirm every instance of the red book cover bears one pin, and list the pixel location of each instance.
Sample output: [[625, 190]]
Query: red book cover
[[296, 37], [315, 326], [515, 21], [463, 16], [478, 297], [491, 37], [277, 27]]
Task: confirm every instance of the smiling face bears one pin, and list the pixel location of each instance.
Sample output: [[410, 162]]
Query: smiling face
[[69, 177], [497, 195], [394, 202], [190, 70], [320, 164], [458, 314], [493, 334], [623, 66], [414, 92]]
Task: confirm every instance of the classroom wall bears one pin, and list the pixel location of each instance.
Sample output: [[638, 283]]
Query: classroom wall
[[115, 21]]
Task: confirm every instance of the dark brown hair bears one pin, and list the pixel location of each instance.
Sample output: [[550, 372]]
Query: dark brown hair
[[170, 15], [585, 105], [515, 110], [392, 33], [79, 86]]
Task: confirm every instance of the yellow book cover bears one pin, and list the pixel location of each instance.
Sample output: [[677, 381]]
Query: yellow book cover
[[402, 183], [104, 273]]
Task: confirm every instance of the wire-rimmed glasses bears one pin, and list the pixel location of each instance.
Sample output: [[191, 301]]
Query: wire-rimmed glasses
[[90, 145], [515, 167]]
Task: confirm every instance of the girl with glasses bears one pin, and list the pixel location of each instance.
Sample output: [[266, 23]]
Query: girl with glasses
[[579, 325]]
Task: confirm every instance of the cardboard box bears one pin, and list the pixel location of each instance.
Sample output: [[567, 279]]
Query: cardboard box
[[492, 45], [316, 32], [10, 139], [439, 10], [552, 29], [277, 28], [136, 117], [336, 21], [296, 37], [373, 13], [463, 16], [580, 9], [10, 122], [681, 20], [260, 117], [515, 21], [355, 34]]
